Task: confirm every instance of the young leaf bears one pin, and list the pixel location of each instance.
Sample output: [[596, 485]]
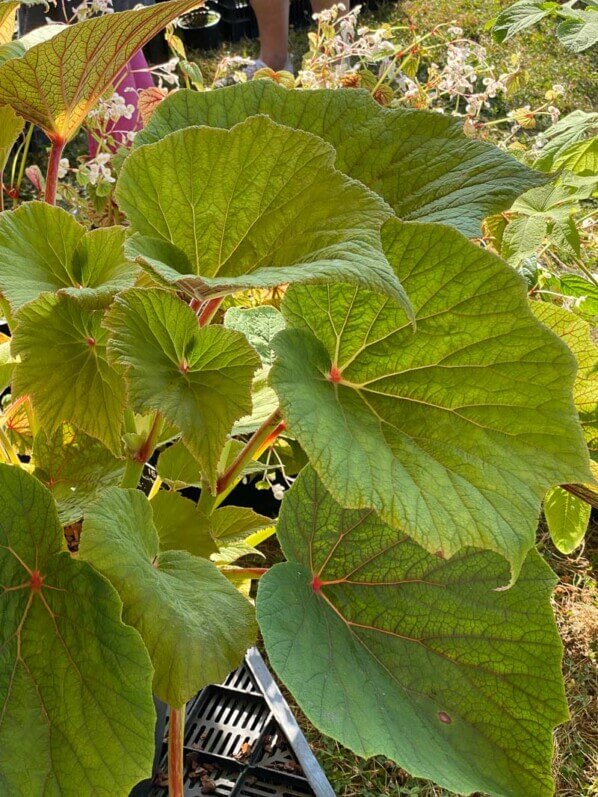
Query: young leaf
[[75, 682], [199, 379], [43, 249], [259, 325], [453, 433], [567, 131], [56, 83], [64, 370], [181, 526], [396, 652], [237, 530], [580, 31], [302, 221], [577, 335], [195, 624], [421, 163], [580, 158], [567, 518], [75, 468], [518, 17]]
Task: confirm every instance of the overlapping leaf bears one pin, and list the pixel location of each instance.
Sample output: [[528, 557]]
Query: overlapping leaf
[[75, 468], [75, 682], [43, 249], [181, 526], [393, 651], [567, 518], [454, 432], [178, 467], [195, 624], [255, 206], [8, 10], [419, 162], [64, 369], [56, 83], [10, 127], [199, 379], [577, 335]]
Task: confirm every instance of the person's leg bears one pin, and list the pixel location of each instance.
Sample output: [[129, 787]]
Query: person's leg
[[273, 25]]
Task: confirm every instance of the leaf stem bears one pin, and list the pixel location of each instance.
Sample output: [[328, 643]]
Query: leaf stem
[[176, 736], [8, 449], [147, 448], [56, 149], [23, 161], [209, 310], [254, 448]]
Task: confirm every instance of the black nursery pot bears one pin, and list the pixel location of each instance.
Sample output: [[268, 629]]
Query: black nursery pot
[[200, 29]]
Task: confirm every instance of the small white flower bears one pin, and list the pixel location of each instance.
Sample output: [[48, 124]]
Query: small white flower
[[63, 168], [278, 491], [554, 113]]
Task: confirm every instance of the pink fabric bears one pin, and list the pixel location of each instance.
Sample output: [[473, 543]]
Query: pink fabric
[[136, 76]]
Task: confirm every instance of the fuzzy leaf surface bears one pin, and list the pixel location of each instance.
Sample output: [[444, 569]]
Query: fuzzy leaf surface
[[394, 651], [75, 468], [56, 83], [44, 250], [195, 624], [421, 163], [252, 207], [65, 371], [454, 432], [75, 681], [199, 379]]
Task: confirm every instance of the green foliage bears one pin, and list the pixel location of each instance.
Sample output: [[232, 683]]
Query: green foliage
[[420, 163], [578, 30], [302, 221], [75, 680], [567, 518], [437, 441], [438, 430], [461, 670], [195, 625]]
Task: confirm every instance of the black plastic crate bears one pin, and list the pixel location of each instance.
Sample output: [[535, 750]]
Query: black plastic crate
[[238, 741]]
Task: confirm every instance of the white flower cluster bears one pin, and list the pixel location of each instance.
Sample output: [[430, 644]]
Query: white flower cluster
[[111, 109], [96, 170], [167, 74]]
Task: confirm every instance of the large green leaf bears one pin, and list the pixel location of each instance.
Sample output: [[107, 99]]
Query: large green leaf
[[8, 10], [181, 526], [199, 379], [43, 249], [453, 433], [577, 335], [419, 162], [195, 624], [255, 206], [518, 17], [56, 83], [75, 682], [64, 369], [560, 136], [393, 651], [259, 325], [567, 518], [75, 468], [580, 31], [178, 467]]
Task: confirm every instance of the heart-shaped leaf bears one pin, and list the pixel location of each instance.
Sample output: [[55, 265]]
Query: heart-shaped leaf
[[56, 83], [395, 652], [199, 379], [43, 249], [202, 229], [577, 335], [195, 624], [75, 682], [181, 526], [75, 468], [419, 162], [453, 433], [64, 369]]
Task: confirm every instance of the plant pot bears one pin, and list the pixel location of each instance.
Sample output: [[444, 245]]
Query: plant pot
[[200, 29]]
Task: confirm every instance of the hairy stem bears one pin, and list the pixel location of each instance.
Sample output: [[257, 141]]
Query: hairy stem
[[58, 145], [23, 161], [176, 736], [209, 311], [255, 447]]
